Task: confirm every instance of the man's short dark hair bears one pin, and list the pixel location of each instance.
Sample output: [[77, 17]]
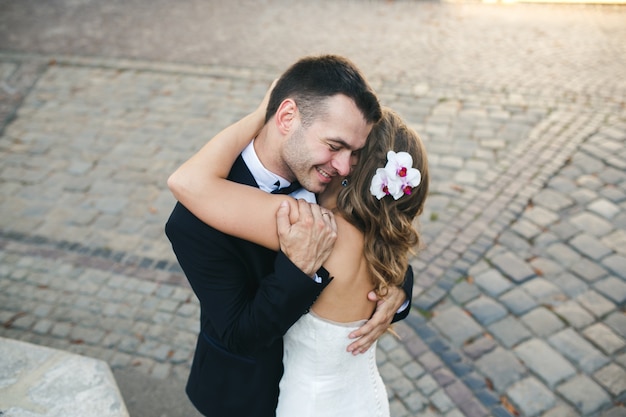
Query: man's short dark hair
[[313, 79]]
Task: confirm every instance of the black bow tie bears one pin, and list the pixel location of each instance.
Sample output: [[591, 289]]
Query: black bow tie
[[289, 189]]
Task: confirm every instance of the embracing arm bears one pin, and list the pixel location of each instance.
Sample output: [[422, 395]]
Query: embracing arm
[[200, 184], [276, 222]]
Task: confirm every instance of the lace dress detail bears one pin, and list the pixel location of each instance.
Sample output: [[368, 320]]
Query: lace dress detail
[[321, 379]]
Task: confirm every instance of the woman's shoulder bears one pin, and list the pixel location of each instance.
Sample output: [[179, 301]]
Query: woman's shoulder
[[348, 234], [347, 254]]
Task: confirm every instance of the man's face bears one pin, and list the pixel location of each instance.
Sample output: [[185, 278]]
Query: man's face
[[327, 147]]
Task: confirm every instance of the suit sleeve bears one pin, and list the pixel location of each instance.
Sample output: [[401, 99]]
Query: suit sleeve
[[244, 312], [408, 289]]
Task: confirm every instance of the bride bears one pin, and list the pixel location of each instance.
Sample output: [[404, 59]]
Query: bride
[[374, 209]]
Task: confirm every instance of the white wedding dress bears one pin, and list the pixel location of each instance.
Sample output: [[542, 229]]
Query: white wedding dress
[[322, 379]]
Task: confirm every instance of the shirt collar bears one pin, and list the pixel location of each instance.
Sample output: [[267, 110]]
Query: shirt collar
[[266, 179]]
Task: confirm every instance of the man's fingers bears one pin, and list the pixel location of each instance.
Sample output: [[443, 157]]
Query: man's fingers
[[363, 343], [306, 213]]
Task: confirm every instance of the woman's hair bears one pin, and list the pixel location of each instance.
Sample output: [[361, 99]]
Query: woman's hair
[[387, 224], [311, 80]]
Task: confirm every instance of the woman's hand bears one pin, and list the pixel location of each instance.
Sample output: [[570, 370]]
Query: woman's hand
[[262, 109]]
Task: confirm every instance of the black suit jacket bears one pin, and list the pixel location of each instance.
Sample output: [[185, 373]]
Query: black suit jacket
[[249, 296]]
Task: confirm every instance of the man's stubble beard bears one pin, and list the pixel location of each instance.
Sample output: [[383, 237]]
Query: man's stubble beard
[[296, 156]]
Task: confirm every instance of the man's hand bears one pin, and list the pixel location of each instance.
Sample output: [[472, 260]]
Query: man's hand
[[379, 323], [307, 241]]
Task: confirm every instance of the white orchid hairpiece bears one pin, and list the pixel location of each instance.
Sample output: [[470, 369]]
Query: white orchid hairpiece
[[397, 178]]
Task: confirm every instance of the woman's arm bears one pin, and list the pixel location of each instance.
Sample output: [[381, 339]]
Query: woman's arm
[[200, 185]]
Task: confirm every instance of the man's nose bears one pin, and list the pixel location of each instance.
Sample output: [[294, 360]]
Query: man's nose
[[342, 163]]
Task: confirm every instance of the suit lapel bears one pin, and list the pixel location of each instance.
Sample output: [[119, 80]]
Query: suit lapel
[[241, 173]]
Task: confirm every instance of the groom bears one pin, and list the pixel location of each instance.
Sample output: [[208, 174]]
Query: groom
[[249, 296]]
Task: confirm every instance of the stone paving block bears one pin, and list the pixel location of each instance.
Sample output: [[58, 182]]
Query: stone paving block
[[613, 288], [501, 367], [588, 270], [515, 243], [531, 397], [488, 398], [526, 229], [580, 352], [594, 302], [492, 282], [456, 325], [613, 194], [545, 362], [415, 402], [604, 208], [592, 224], [552, 200], [617, 322], [518, 301], [617, 264], [542, 290], [161, 370], [563, 254], [604, 338], [396, 408], [427, 384], [61, 329], [584, 394], [464, 292], [590, 246], [465, 400], [583, 196], [569, 284], [587, 163], [184, 295], [390, 372], [402, 387], [616, 241], [573, 314], [42, 326], [399, 356], [443, 376], [509, 331], [413, 370], [430, 361], [618, 411], [545, 267], [128, 344], [541, 216], [441, 401], [486, 310], [513, 267], [564, 230], [613, 378], [120, 360], [189, 310], [22, 322], [562, 410], [589, 181]]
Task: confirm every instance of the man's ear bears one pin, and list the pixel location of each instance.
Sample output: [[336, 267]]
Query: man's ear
[[285, 115]]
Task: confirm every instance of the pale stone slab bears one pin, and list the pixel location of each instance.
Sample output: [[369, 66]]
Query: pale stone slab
[[44, 382]]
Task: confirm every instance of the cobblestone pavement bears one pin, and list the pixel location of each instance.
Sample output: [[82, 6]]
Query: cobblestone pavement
[[521, 286]]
